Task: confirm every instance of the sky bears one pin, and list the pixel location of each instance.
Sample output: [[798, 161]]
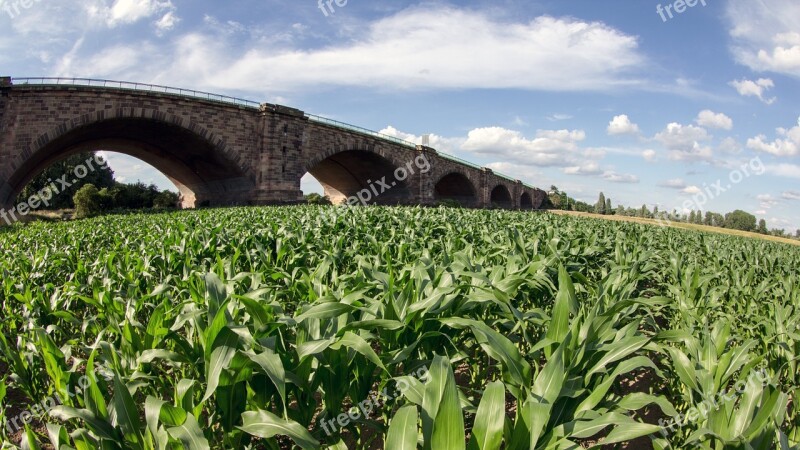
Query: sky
[[650, 102]]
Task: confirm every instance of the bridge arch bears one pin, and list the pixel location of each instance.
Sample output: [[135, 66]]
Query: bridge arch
[[501, 197], [526, 201], [194, 159], [457, 187], [365, 174]]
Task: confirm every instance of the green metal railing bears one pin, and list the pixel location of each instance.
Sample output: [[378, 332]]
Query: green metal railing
[[200, 95], [357, 129]]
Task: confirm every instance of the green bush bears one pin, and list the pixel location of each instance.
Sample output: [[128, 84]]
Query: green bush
[[87, 202]]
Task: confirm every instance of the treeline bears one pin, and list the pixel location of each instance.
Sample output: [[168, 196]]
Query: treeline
[[96, 183], [736, 220]]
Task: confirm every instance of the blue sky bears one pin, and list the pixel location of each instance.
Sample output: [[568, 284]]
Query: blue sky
[[587, 95]]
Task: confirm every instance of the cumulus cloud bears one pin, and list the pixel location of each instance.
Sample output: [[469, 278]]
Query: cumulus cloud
[[691, 190], [447, 145], [549, 147], [758, 88], [649, 155], [684, 142], [616, 177], [710, 119], [676, 183], [589, 168], [787, 144], [621, 124], [765, 34]]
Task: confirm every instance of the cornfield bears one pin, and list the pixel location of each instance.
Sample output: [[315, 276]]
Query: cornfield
[[396, 328]]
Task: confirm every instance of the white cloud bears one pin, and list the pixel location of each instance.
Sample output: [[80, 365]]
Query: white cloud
[[766, 34], [616, 177], [167, 22], [549, 147], [791, 195], [766, 201], [683, 141], [730, 146], [710, 119], [787, 144], [649, 155], [691, 190], [558, 117], [784, 170], [447, 145], [473, 50], [622, 125], [675, 183], [123, 12], [589, 168], [758, 88]]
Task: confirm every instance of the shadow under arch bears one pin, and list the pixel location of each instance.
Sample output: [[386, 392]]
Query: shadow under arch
[[200, 170], [526, 201], [501, 197], [352, 172], [457, 187]]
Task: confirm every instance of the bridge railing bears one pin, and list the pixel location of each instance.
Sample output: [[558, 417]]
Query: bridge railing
[[361, 130], [127, 85]]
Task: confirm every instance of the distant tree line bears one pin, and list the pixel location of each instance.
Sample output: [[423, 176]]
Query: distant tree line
[[98, 190], [736, 220]]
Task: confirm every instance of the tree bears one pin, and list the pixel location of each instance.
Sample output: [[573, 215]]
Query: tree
[[609, 209], [620, 210], [692, 217], [93, 168], [600, 206], [740, 220], [166, 200], [762, 226], [316, 199], [645, 212], [87, 202], [555, 201]]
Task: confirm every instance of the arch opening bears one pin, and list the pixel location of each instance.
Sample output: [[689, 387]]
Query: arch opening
[[456, 187], [361, 175], [501, 197], [526, 201], [202, 175]]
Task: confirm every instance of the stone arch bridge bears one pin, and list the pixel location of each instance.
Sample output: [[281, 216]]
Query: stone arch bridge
[[225, 151]]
